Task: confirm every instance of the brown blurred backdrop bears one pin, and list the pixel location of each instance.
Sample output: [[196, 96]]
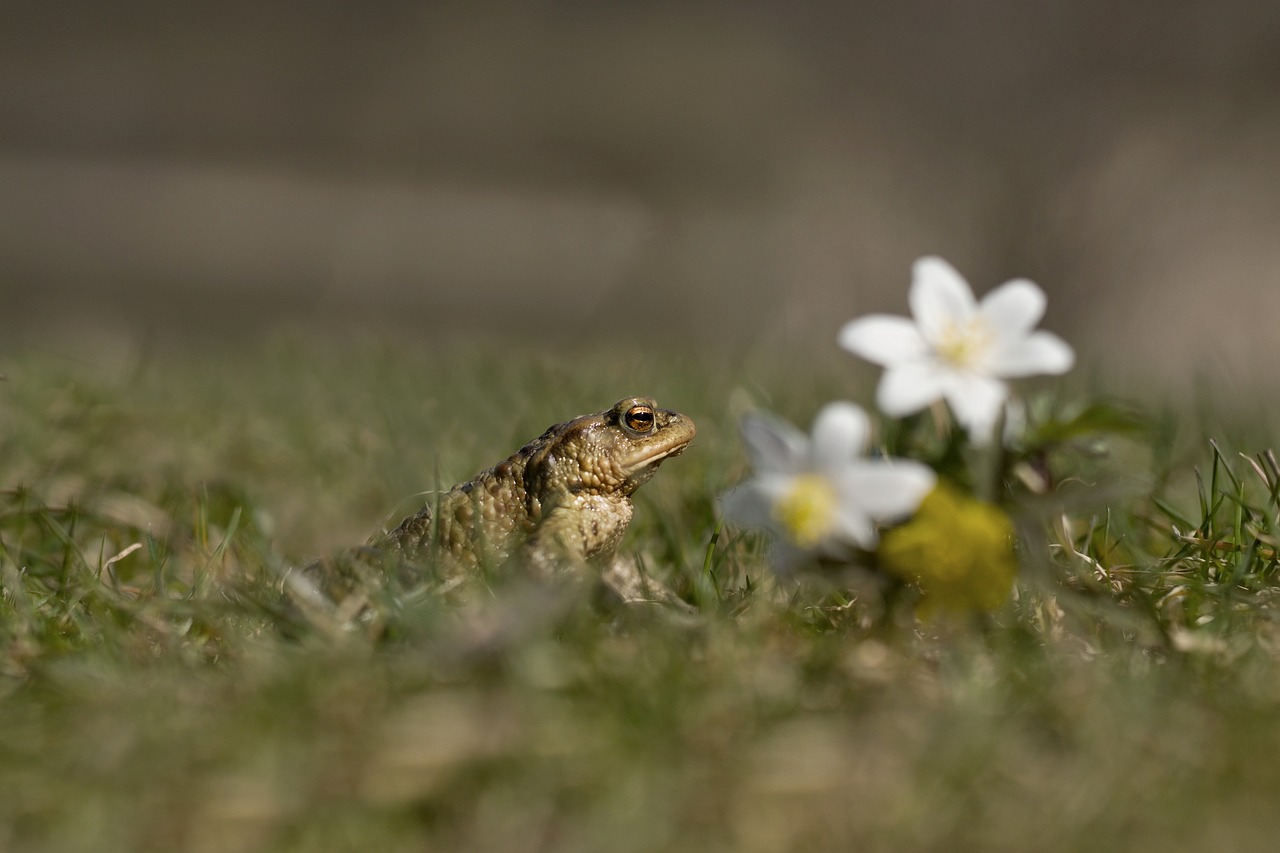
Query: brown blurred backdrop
[[710, 171]]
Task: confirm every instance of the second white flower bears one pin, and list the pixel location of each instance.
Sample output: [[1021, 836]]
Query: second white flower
[[820, 494]]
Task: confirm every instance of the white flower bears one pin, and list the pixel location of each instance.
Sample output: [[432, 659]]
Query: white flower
[[957, 348], [820, 494]]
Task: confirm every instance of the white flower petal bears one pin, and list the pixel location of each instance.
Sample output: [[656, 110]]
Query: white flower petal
[[887, 489], [774, 445], [883, 339], [855, 527], [976, 401], [1013, 309], [840, 434], [748, 505], [784, 557], [775, 486], [1040, 353], [907, 388], [939, 297]]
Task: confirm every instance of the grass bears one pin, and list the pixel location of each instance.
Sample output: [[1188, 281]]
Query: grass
[[159, 690]]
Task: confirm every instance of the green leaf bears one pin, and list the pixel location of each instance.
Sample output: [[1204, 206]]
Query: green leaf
[[1095, 418]]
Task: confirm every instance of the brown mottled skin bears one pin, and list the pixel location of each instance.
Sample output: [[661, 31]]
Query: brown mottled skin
[[560, 502]]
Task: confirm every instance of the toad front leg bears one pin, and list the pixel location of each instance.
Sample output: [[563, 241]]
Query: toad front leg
[[578, 532]]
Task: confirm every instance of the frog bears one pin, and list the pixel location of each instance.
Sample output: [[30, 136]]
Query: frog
[[556, 508]]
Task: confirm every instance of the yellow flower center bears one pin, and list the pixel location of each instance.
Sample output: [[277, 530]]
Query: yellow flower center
[[964, 344], [807, 512]]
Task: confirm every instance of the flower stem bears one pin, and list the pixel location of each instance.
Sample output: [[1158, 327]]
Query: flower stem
[[986, 464]]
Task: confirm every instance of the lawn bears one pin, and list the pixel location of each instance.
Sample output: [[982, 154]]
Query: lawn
[[160, 689]]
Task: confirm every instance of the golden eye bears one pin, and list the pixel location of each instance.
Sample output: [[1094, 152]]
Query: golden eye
[[639, 419]]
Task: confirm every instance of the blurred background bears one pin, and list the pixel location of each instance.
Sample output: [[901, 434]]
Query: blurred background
[[748, 171]]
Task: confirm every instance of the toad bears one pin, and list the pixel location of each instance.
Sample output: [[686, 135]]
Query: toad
[[560, 503]]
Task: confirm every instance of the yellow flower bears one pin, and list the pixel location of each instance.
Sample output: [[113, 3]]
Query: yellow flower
[[957, 549]]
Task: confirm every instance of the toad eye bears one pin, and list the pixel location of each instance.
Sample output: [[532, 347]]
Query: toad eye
[[639, 419]]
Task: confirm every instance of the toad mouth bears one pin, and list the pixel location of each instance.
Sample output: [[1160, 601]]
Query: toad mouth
[[653, 456]]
